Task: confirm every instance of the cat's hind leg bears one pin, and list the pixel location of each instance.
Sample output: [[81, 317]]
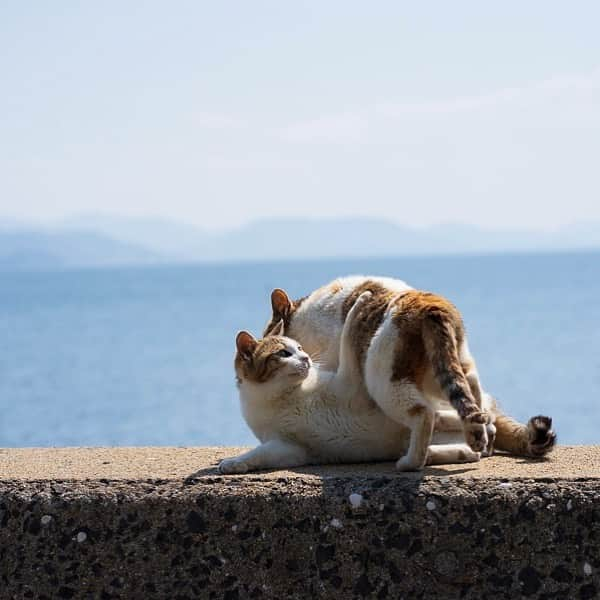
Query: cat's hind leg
[[420, 419], [404, 403], [467, 363], [273, 454], [491, 435]]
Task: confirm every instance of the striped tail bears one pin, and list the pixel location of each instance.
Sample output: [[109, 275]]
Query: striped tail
[[440, 343], [439, 330]]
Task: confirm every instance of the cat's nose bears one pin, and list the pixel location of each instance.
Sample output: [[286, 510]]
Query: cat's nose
[[305, 359]]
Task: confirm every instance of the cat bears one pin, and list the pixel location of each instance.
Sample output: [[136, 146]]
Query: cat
[[408, 358], [316, 321], [303, 414]]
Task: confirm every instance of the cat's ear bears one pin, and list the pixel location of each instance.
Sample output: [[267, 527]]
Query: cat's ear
[[245, 344], [278, 329], [281, 304]]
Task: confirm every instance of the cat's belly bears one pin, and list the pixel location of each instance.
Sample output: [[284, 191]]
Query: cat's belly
[[336, 436]]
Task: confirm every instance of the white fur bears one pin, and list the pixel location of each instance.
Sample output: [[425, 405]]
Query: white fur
[[318, 417], [327, 416]]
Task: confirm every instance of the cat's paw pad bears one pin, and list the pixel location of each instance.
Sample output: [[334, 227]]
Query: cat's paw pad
[[407, 463], [542, 437], [475, 426], [229, 466]]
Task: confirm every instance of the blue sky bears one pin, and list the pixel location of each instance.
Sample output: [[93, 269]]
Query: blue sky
[[216, 113]]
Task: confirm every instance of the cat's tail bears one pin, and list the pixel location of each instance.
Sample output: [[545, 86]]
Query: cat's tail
[[534, 439], [439, 338], [440, 327]]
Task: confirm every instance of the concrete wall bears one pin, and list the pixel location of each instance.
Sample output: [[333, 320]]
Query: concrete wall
[[351, 532]]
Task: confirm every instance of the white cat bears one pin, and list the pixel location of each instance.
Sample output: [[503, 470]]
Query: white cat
[[303, 414]]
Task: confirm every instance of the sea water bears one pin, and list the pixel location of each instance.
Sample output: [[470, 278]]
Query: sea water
[[143, 356]]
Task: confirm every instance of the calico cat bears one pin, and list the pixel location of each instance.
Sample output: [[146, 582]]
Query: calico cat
[[409, 344], [303, 414]]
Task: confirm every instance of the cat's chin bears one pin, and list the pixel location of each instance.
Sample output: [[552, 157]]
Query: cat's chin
[[301, 373]]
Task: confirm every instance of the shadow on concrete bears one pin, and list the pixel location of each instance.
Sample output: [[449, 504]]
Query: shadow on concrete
[[338, 473]]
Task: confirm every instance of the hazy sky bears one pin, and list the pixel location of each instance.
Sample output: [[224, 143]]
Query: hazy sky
[[220, 112]]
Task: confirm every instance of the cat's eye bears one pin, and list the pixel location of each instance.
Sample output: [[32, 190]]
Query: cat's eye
[[299, 348], [283, 353]]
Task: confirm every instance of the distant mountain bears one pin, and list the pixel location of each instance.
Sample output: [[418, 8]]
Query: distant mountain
[[25, 249], [308, 238], [105, 240], [168, 238]]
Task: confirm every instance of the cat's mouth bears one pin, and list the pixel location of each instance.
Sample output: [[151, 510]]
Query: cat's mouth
[[302, 369]]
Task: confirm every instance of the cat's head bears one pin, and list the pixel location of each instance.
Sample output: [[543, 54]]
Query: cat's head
[[274, 359], [282, 312]]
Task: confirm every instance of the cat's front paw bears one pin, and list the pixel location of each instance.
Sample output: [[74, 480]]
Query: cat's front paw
[[475, 426], [542, 437], [230, 466]]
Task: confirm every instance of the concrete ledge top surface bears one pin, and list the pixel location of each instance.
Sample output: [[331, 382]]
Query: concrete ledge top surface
[[163, 463]]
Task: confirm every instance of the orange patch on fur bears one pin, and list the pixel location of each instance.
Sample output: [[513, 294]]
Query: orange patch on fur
[[414, 313], [335, 288]]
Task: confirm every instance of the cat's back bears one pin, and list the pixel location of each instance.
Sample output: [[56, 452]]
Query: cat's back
[[331, 298], [318, 319]]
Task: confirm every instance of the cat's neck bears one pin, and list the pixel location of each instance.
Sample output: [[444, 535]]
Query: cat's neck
[[262, 394], [271, 392], [262, 404]]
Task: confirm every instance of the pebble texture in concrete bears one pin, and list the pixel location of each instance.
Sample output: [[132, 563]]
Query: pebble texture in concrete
[[73, 524]]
